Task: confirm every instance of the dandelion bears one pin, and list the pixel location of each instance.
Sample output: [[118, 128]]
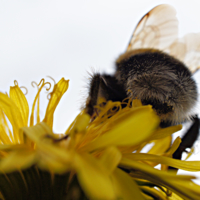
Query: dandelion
[[17, 151], [99, 159]]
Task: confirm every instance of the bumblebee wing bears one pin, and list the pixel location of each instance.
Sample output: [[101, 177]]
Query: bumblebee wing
[[187, 49], [157, 29]]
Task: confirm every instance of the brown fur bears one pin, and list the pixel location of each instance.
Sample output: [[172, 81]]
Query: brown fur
[[152, 76], [155, 77]]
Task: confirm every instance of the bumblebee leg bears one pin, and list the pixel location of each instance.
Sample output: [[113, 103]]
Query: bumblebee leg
[[188, 139]]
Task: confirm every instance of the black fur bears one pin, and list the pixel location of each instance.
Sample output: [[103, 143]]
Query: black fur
[[152, 76], [158, 79]]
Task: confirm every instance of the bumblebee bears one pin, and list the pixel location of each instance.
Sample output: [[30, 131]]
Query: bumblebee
[[156, 68]]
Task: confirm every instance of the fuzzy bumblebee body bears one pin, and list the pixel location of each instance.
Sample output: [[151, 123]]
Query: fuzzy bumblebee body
[[155, 69], [160, 80]]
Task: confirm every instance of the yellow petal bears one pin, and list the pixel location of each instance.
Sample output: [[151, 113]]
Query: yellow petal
[[50, 155], [179, 184], [10, 147], [93, 178], [136, 103], [54, 158], [161, 146], [164, 132], [156, 194], [110, 158], [59, 89], [50, 162], [131, 129], [181, 164], [39, 134], [6, 135], [125, 186], [13, 114], [36, 133], [37, 100], [186, 190], [4, 138], [190, 153], [21, 102], [79, 124], [173, 147], [18, 160], [175, 197]]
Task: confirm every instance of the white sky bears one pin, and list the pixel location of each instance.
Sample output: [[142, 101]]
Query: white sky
[[63, 38]]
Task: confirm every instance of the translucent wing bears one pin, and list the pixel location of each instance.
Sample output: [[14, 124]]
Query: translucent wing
[[158, 29], [187, 49]]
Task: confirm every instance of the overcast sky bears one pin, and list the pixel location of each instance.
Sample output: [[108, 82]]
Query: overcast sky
[[64, 38]]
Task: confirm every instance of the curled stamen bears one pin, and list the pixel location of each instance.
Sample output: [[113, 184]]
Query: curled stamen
[[49, 95], [15, 83], [126, 101], [42, 84], [33, 83], [42, 81], [52, 79], [26, 90], [47, 86]]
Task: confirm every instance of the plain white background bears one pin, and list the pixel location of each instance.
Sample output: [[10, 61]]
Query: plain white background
[[68, 38]]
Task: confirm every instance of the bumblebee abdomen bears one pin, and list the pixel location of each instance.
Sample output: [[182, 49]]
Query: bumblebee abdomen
[[158, 79]]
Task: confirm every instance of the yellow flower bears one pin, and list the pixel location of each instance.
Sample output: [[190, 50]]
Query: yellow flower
[[105, 154], [17, 150], [98, 147]]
